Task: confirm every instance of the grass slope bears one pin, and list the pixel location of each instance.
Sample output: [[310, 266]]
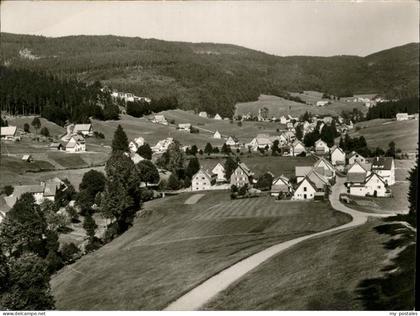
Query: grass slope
[[54, 129], [380, 132], [174, 246], [319, 274]]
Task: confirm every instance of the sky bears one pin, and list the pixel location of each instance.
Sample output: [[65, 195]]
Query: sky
[[320, 28]]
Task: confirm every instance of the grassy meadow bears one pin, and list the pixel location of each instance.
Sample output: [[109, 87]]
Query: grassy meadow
[[175, 245], [318, 274]]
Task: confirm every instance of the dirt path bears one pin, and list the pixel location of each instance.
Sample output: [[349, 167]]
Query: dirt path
[[203, 293], [194, 198]]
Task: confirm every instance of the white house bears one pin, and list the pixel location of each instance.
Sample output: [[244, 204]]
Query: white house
[[401, 116], [384, 167], [217, 135], [260, 142], [219, 171], [217, 117], [84, 129], [338, 156], [76, 144], [354, 156], [327, 119], [322, 103], [284, 120], [280, 186], [305, 190], [184, 127], [162, 145], [232, 141], [321, 147], [241, 175], [281, 138], [358, 167], [201, 181], [8, 132], [371, 185], [203, 114], [160, 119], [297, 148], [325, 168]]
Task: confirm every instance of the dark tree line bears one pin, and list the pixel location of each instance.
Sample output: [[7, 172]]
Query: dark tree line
[[25, 92], [141, 108], [390, 109]]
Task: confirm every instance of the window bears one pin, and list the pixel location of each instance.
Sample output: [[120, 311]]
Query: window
[[304, 189]]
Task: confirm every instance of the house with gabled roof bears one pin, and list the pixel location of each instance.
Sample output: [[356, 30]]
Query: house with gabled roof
[[301, 172], [260, 142], [75, 144], [305, 190], [281, 186], [319, 180], [324, 167], [217, 135], [354, 156], [185, 127], [321, 147], [297, 148], [160, 119], [219, 171], [8, 132], [232, 141], [358, 167], [83, 129], [217, 117], [203, 114], [370, 184], [384, 167], [241, 176], [201, 181], [338, 156]]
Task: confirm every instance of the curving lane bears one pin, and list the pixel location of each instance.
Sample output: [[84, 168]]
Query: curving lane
[[203, 293]]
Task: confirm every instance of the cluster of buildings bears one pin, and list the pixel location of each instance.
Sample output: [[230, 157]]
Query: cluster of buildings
[[406, 116], [128, 97], [9, 133], [74, 139]]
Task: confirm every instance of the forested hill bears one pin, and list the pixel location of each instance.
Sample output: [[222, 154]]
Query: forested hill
[[210, 77]]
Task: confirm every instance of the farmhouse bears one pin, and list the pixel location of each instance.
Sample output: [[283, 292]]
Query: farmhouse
[[401, 116], [281, 186], [8, 132], [203, 114], [327, 119], [297, 148], [241, 175], [281, 138], [58, 146], [260, 142], [162, 145], [301, 172], [83, 129], [217, 117], [160, 119], [371, 185], [201, 181], [305, 190], [320, 181], [217, 135], [76, 144], [322, 103], [384, 167], [325, 168], [321, 147], [358, 167], [284, 120], [219, 171], [354, 156], [232, 141], [27, 158], [338, 156], [184, 127]]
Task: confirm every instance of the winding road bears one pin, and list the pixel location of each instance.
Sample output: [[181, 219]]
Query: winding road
[[203, 293]]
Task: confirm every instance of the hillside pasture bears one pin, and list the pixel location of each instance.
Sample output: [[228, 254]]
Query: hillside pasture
[[319, 274], [278, 106], [19, 121], [380, 132], [174, 246]]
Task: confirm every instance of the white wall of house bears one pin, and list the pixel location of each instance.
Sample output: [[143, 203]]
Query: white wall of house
[[387, 175], [298, 149], [200, 181], [357, 158], [338, 157], [305, 191], [356, 168], [219, 171], [239, 178], [358, 190]]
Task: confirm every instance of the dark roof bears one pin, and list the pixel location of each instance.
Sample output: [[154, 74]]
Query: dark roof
[[382, 163], [356, 177]]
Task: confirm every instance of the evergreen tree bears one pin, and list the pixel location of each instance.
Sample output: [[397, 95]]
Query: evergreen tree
[[145, 151], [193, 150], [275, 148], [45, 132], [36, 123], [147, 172], [193, 167], [208, 149], [120, 140], [89, 226], [93, 182], [299, 132], [26, 128], [230, 166], [173, 182], [391, 150]]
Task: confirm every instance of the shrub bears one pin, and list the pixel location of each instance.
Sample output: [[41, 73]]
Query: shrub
[[45, 132], [194, 130], [26, 128], [69, 252], [98, 135], [8, 190]]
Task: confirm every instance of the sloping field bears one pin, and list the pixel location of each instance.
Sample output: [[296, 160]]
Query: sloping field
[[326, 279], [54, 129], [152, 133], [278, 106], [173, 246], [380, 132]]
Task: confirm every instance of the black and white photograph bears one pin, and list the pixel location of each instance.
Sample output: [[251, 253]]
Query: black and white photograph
[[208, 156]]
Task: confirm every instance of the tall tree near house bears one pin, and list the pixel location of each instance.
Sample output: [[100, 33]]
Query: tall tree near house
[[230, 166], [328, 135], [120, 140], [36, 123], [275, 148], [145, 151], [122, 194], [264, 182], [299, 132], [226, 149], [148, 172], [26, 128], [391, 150], [192, 167], [27, 286], [193, 150], [3, 122], [45, 132], [89, 226], [208, 149], [92, 182], [173, 158]]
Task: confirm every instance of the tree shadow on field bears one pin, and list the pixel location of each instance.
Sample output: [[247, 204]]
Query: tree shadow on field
[[395, 290]]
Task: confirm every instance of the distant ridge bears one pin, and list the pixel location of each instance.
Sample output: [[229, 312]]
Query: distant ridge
[[210, 76]]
